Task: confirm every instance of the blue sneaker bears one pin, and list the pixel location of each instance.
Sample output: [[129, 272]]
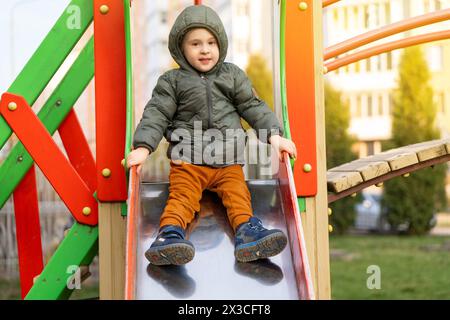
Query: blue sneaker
[[170, 247], [253, 241]]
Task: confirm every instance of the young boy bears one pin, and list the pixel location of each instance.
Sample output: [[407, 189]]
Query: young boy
[[197, 107]]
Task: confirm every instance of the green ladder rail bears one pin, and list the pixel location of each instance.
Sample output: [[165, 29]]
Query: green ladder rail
[[47, 59], [52, 114], [130, 94], [78, 248]]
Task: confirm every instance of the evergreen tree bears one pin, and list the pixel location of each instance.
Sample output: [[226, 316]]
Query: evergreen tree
[[338, 145], [412, 201]]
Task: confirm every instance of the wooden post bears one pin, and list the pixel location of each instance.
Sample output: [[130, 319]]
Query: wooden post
[[112, 235], [304, 85], [110, 103], [316, 217]]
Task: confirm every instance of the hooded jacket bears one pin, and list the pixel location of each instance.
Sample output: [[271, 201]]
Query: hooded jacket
[[199, 113]]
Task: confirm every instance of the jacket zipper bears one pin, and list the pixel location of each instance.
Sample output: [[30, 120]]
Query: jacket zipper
[[208, 100]]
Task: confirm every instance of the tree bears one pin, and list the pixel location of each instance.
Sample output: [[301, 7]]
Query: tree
[[412, 201], [338, 145], [261, 78]]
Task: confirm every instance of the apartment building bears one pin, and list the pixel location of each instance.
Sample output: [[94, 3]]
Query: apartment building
[[367, 85]]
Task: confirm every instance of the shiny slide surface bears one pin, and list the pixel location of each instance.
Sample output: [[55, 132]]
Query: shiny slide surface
[[214, 273]]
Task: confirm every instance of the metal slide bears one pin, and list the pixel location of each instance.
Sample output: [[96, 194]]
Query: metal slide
[[214, 273]]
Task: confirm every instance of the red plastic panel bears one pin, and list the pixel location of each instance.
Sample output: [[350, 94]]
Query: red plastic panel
[[77, 149], [132, 225], [295, 229], [300, 87], [52, 162], [28, 231], [110, 98]]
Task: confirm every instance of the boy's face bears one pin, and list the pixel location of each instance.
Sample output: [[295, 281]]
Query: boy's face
[[200, 48]]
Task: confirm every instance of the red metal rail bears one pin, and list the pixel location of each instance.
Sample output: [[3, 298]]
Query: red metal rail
[[386, 31]]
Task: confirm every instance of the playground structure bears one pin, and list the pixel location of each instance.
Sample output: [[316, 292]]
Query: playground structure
[[115, 211]]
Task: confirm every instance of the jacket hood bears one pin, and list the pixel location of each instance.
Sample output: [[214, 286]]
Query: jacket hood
[[198, 16]]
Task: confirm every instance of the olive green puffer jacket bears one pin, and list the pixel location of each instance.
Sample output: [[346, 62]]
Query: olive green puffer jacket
[[211, 103]]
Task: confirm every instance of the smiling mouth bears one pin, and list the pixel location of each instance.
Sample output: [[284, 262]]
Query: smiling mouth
[[205, 60]]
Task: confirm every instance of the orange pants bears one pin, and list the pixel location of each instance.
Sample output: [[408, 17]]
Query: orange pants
[[186, 185]]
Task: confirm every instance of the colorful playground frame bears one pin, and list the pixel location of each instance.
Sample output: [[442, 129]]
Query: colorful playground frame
[[98, 204]]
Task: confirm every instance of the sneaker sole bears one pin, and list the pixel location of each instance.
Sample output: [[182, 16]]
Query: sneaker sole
[[172, 254], [266, 247]]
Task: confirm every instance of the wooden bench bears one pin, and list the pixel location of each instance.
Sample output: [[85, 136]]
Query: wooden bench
[[354, 176]]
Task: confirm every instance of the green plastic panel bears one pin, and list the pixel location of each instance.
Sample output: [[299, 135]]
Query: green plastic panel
[[130, 92], [284, 106], [19, 161], [49, 56], [129, 74], [78, 248]]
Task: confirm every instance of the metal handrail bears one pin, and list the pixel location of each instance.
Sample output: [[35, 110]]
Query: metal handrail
[[327, 3], [386, 31], [386, 47]]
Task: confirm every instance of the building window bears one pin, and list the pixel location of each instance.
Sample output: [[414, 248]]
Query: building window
[[356, 16], [426, 6], [435, 58], [357, 67], [163, 17], [370, 148], [377, 14], [336, 16], [369, 105], [380, 105], [358, 107], [387, 12], [366, 16], [242, 9], [346, 17], [378, 58], [368, 65], [391, 104], [389, 60], [437, 5], [440, 102]]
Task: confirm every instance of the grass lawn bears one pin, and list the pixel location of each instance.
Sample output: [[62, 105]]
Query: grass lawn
[[10, 290], [410, 267]]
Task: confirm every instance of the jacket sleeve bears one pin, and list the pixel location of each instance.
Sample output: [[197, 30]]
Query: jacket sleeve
[[254, 110], [158, 114]]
